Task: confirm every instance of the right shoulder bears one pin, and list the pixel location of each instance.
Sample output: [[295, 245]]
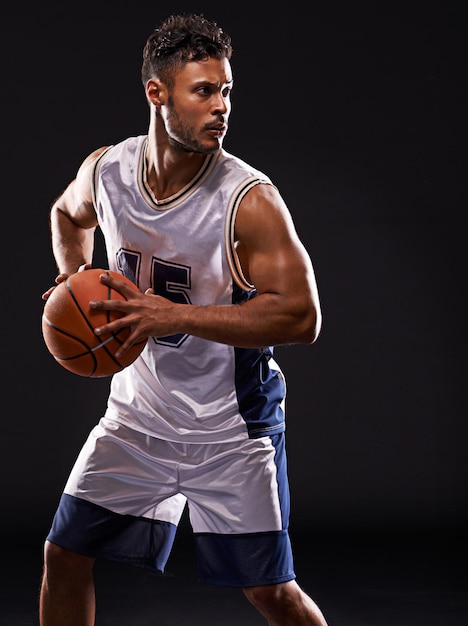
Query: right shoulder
[[90, 162], [80, 195], [85, 177], [131, 144], [77, 201]]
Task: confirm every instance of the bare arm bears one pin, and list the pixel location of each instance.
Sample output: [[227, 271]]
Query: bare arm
[[73, 222], [286, 309]]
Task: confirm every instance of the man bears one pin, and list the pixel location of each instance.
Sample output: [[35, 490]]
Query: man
[[198, 418]]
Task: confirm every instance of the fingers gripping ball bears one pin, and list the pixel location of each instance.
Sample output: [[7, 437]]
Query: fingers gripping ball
[[68, 325]]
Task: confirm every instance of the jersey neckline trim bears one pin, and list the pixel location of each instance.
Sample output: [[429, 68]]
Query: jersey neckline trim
[[179, 197]]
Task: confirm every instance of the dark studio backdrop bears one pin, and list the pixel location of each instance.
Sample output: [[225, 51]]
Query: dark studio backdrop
[[355, 111]]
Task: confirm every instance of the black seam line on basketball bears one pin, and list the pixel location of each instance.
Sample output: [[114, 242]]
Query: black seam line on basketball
[[78, 340], [88, 352], [74, 337], [113, 336], [116, 361], [83, 314]]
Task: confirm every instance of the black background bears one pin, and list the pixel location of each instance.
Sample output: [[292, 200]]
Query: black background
[[355, 111]]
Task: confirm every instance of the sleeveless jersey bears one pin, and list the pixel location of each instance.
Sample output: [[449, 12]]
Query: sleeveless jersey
[[183, 388]]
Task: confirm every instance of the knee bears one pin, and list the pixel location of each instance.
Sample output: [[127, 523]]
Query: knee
[[285, 603], [267, 596]]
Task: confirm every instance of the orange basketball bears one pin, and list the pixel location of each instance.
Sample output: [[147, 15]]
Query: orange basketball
[[68, 325]]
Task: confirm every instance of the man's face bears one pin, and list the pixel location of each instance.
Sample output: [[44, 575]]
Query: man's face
[[199, 105]]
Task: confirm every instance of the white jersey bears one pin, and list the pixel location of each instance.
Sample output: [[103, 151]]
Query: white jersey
[[183, 388]]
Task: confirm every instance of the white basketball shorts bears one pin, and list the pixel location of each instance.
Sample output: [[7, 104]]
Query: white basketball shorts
[[126, 493]]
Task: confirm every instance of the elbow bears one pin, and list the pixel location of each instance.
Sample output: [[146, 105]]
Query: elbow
[[312, 331], [317, 327], [309, 326]]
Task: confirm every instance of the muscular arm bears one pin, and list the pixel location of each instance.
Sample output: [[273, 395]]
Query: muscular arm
[[286, 309], [73, 220]]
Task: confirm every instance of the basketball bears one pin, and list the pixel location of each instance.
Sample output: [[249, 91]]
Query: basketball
[[68, 325]]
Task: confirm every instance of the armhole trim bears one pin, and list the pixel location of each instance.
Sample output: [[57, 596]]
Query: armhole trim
[[96, 171], [232, 256]]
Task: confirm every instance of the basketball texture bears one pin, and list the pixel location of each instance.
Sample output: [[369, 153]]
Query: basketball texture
[[68, 325]]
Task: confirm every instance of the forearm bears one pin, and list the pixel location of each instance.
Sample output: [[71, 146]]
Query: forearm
[[267, 319], [263, 321], [72, 245]]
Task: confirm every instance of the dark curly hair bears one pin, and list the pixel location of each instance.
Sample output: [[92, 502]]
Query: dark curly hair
[[180, 39]]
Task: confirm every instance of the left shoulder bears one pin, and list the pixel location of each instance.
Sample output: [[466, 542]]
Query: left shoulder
[[263, 210], [263, 197]]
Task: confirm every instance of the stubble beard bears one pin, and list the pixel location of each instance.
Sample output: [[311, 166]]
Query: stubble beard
[[181, 136]]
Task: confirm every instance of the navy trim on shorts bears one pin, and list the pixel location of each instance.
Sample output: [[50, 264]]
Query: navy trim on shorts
[[92, 530], [244, 560]]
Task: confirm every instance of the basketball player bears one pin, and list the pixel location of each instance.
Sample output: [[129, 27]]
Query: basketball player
[[198, 418]]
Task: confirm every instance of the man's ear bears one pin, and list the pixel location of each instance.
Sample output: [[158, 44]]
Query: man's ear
[[156, 92]]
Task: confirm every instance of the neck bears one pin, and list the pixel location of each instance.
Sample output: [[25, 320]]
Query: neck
[[168, 169]]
